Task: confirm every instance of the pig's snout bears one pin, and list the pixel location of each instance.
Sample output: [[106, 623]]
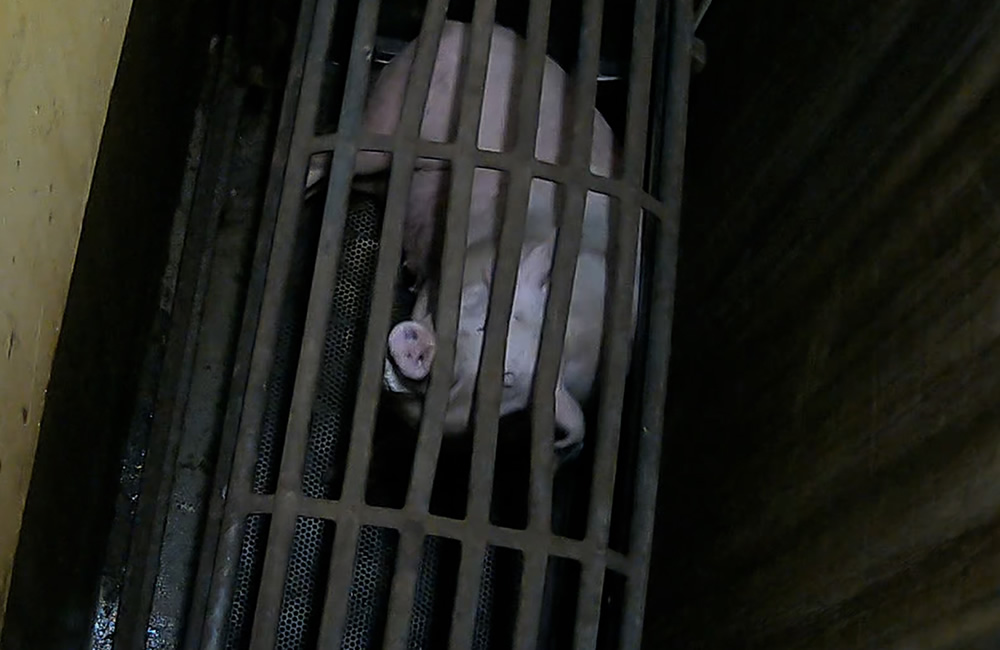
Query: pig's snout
[[412, 346]]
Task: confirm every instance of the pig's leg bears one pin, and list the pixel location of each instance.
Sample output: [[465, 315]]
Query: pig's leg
[[569, 418], [412, 347]]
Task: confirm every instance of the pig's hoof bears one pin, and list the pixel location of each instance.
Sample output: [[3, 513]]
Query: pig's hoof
[[412, 346]]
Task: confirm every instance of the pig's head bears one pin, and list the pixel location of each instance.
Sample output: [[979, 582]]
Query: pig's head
[[412, 346]]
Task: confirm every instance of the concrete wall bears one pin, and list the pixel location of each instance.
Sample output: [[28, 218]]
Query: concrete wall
[[57, 66]]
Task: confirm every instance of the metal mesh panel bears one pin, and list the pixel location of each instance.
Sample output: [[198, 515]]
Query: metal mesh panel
[[369, 595], [265, 476], [286, 352], [302, 601], [342, 350], [435, 594], [247, 581]]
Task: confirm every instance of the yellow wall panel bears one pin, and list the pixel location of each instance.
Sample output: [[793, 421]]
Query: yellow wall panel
[[57, 66]]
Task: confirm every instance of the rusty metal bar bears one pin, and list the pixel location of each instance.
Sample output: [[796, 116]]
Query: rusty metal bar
[[289, 212], [536, 557], [441, 526], [561, 281], [477, 45], [429, 440], [619, 325], [284, 197], [616, 345], [529, 613], [588, 612], [363, 422], [244, 415], [564, 262], [525, 120], [403, 161], [470, 571], [662, 296], [478, 42], [504, 161], [489, 382], [403, 587], [345, 544], [324, 278]]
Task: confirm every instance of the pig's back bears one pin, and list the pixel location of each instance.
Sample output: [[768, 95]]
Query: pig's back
[[440, 121]]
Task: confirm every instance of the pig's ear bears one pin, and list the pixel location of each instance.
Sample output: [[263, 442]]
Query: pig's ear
[[537, 264]]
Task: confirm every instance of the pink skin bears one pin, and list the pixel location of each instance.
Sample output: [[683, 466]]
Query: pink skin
[[411, 346]]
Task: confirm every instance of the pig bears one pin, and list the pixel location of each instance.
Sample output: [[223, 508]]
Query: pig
[[412, 343]]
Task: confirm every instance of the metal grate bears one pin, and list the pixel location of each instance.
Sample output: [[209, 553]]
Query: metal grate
[[337, 385], [301, 599], [496, 606], [565, 563], [369, 594], [251, 560], [435, 594], [286, 348]]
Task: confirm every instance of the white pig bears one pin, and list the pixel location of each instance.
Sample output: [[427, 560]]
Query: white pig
[[412, 343]]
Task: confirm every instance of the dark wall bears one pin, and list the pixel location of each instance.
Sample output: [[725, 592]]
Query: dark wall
[[832, 476], [111, 303]]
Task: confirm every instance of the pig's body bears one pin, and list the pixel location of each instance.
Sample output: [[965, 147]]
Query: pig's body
[[412, 343], [430, 185], [581, 351]]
